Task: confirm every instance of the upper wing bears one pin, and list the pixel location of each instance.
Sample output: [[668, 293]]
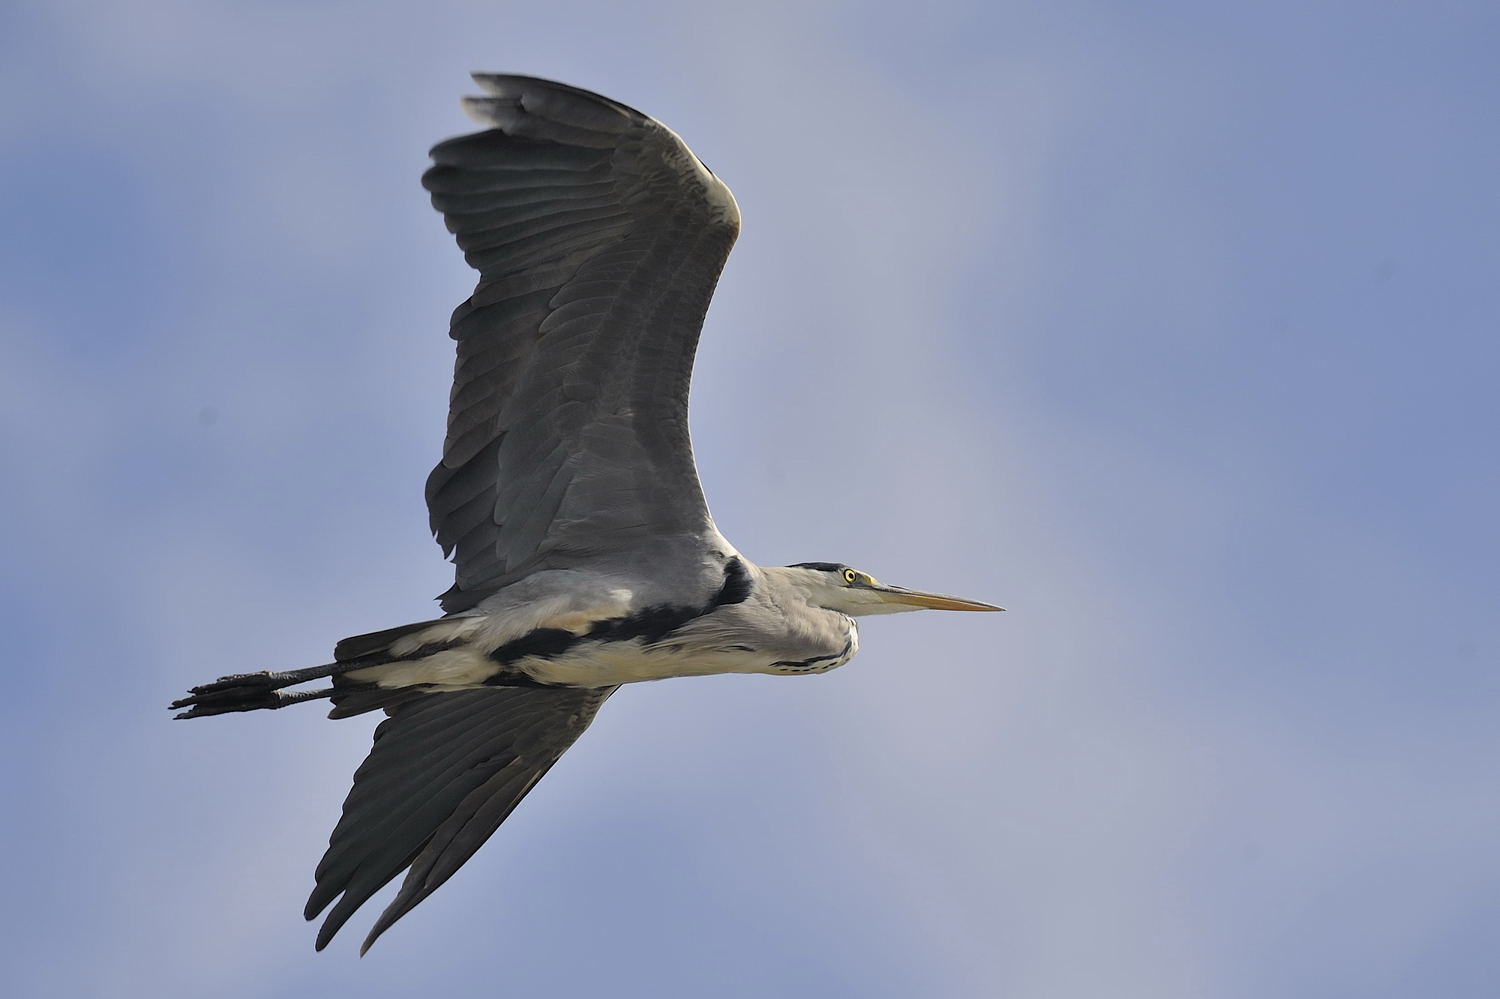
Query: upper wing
[[598, 237], [445, 771]]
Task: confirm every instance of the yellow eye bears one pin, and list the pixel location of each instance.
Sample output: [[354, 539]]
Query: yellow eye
[[850, 576]]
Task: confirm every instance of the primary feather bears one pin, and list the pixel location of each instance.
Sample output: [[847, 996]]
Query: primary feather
[[598, 237]]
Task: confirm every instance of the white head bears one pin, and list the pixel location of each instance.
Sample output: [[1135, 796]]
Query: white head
[[841, 588]]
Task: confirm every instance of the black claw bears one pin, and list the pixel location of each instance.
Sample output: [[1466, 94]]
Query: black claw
[[249, 697], [237, 680], [252, 691]]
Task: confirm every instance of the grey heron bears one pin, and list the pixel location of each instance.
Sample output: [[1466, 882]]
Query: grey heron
[[567, 497]]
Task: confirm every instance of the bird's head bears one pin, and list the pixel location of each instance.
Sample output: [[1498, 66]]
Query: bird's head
[[849, 591]]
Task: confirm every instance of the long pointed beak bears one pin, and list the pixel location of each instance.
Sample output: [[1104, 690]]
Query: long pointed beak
[[931, 601]]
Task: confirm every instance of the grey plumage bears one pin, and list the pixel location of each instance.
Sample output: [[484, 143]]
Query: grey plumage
[[598, 245], [567, 496], [444, 772]]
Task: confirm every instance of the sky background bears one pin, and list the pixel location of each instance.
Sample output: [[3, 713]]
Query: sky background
[[1170, 326]]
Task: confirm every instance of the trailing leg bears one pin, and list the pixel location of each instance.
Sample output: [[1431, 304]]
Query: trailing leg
[[252, 691]]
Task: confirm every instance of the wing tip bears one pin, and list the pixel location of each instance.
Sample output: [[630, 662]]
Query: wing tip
[[576, 112], [482, 110]]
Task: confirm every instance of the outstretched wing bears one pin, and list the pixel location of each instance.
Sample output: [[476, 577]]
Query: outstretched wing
[[445, 771], [598, 237]]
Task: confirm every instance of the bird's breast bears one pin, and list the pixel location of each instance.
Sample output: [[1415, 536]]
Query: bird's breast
[[707, 645], [599, 664]]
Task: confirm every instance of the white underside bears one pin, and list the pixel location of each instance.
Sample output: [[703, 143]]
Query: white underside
[[590, 664], [609, 663], [726, 641]]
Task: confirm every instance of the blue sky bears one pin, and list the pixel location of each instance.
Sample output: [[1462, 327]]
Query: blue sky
[[1172, 327]]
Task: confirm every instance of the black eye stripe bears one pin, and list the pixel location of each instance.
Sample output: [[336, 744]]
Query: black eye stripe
[[818, 566]]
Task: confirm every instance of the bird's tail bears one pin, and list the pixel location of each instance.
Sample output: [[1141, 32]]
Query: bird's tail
[[350, 695]]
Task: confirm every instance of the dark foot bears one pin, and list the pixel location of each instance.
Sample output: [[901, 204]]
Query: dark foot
[[246, 692]]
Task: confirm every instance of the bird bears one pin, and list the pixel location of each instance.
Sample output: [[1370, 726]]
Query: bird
[[567, 498]]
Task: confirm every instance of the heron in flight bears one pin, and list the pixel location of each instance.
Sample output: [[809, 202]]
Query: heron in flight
[[567, 497]]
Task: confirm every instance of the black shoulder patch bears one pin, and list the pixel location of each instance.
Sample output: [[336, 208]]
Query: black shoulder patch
[[819, 566], [652, 624], [649, 624], [544, 642], [736, 588]]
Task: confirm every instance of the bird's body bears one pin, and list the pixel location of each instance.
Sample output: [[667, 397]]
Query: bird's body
[[577, 629], [567, 496]]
